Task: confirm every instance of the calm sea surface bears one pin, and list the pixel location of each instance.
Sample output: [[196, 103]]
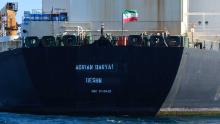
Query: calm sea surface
[[9, 118]]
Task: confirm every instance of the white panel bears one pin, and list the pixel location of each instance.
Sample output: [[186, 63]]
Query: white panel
[[55, 5], [153, 14], [202, 11], [204, 5], [99, 10]]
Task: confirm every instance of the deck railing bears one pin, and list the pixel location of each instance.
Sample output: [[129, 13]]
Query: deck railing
[[5, 46]]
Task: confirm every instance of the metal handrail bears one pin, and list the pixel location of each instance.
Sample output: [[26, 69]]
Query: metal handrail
[[5, 46]]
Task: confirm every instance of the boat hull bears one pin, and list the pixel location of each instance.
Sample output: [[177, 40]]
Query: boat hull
[[196, 89], [87, 80]]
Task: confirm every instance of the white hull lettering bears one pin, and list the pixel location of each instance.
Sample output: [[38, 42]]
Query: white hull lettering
[[97, 67]]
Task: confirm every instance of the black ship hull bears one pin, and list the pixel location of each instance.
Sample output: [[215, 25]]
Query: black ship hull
[[87, 80]]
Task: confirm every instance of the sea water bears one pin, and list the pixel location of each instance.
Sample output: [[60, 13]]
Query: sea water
[[11, 118]]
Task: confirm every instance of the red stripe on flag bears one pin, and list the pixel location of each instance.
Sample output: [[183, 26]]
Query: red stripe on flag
[[132, 19]]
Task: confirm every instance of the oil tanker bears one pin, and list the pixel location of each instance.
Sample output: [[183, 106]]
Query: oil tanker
[[69, 75], [87, 79], [141, 75]]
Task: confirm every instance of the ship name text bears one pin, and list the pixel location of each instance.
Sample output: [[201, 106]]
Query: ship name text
[[94, 67]]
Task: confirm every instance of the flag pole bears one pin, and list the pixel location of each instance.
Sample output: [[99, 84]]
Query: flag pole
[[122, 24]]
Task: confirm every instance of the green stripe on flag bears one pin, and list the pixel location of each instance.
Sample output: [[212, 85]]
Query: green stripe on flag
[[130, 16], [129, 11]]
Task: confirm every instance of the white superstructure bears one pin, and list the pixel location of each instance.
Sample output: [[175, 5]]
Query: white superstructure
[[196, 17], [154, 15], [204, 16]]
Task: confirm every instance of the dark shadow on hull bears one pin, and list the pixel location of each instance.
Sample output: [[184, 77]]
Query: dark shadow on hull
[[93, 81]]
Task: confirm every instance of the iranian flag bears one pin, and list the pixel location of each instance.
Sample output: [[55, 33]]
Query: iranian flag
[[130, 16]]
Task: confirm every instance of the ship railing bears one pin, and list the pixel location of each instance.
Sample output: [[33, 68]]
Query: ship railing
[[9, 45], [206, 44], [150, 40], [203, 26]]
